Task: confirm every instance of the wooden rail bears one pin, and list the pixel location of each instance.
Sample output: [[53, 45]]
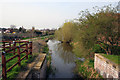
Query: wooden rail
[[11, 47]]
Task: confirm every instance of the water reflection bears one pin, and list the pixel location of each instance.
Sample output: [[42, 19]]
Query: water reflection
[[64, 50], [62, 59]]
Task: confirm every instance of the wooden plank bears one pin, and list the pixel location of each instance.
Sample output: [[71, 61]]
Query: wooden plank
[[23, 51], [22, 58], [14, 48], [11, 58], [12, 66]]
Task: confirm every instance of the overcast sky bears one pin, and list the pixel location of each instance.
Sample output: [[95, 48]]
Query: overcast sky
[[44, 13]]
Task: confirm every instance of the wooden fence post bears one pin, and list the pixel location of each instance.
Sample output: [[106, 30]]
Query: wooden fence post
[[18, 52], [31, 48], [4, 74], [27, 51], [4, 46], [14, 45]]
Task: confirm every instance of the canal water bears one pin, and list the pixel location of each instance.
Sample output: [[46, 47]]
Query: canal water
[[62, 60]]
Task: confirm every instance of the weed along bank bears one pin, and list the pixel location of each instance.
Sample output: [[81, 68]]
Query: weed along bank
[[105, 67]]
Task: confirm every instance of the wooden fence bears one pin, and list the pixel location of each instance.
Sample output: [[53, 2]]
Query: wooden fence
[[16, 48]]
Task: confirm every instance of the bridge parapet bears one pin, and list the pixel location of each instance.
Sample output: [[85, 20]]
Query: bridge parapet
[[105, 67]]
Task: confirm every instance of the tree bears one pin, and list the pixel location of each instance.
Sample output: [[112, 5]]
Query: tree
[[38, 32], [65, 33], [20, 29], [58, 34], [118, 7], [100, 28]]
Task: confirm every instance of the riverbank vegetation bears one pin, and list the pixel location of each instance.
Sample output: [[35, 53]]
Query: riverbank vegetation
[[45, 50], [86, 69], [91, 33]]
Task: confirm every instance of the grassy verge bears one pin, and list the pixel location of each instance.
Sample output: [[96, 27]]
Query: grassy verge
[[48, 57], [28, 38], [86, 69], [49, 67], [45, 49], [14, 72], [48, 36], [113, 58]]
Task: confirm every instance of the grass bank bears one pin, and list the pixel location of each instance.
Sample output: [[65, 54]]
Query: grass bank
[[14, 72], [47, 37], [48, 57], [86, 69], [113, 58]]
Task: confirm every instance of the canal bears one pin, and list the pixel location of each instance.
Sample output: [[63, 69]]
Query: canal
[[62, 60]]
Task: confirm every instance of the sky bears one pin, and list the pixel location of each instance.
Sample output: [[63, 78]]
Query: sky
[[44, 14]]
